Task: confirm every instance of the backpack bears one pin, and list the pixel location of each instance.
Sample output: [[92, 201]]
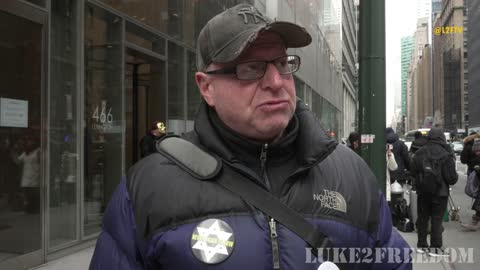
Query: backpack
[[472, 186], [431, 174]]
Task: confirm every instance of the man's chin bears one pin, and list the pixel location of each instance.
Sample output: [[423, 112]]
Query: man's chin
[[272, 131]]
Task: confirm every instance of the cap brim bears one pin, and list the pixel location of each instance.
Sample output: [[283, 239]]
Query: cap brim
[[294, 36]]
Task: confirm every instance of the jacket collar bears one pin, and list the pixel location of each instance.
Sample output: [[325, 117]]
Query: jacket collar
[[304, 135]]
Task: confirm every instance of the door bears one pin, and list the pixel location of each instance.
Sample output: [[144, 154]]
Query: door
[[145, 99], [21, 125]]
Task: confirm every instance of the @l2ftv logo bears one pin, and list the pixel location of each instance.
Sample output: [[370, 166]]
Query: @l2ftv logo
[[212, 241]]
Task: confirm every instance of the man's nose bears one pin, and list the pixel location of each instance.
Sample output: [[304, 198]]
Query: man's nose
[[272, 80]]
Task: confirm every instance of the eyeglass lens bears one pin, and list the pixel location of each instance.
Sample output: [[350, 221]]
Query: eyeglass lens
[[254, 70]]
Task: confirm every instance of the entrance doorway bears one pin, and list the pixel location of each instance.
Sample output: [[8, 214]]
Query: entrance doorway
[[145, 100], [21, 149]]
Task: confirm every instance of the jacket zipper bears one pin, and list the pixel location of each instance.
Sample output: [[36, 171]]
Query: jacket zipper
[[271, 221], [274, 240], [263, 166]]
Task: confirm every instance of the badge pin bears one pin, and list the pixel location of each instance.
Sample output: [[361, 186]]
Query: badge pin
[[212, 241]]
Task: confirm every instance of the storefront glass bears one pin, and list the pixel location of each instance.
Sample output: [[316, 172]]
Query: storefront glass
[[63, 125], [193, 93], [176, 112], [41, 2], [21, 152], [145, 100], [172, 17], [143, 38], [103, 116]]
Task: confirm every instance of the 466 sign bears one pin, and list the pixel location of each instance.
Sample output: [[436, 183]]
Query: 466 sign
[[101, 115]]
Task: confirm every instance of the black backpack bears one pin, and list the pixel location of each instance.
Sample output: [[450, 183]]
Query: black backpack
[[430, 174]]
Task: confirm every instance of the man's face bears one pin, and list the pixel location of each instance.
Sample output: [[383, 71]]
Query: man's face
[[258, 109]]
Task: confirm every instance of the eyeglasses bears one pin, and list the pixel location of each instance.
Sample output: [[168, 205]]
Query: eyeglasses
[[253, 70]]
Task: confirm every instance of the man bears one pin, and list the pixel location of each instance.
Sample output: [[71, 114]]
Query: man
[[436, 160], [148, 142], [400, 151], [171, 216], [467, 156]]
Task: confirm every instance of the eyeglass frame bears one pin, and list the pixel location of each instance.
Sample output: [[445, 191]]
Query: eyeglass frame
[[233, 70]]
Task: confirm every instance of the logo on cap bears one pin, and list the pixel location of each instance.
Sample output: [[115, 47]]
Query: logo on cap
[[253, 12], [212, 241]]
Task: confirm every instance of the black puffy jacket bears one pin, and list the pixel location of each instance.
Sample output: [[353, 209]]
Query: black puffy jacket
[[155, 214]]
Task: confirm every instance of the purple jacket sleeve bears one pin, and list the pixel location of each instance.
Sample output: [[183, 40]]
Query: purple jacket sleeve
[[116, 246], [395, 251]]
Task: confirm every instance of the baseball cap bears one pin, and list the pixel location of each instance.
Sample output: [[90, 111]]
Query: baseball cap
[[228, 34]]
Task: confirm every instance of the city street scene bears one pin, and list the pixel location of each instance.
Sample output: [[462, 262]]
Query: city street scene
[[239, 134]]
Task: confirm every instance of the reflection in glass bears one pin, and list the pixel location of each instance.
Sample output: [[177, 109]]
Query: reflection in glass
[[180, 19], [41, 2], [103, 113], [20, 148], [63, 125], [193, 94], [145, 100], [176, 115], [145, 39]]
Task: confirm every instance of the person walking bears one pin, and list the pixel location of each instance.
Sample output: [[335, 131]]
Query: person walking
[[434, 167]]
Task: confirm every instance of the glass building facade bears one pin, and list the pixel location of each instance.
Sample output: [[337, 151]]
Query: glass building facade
[[81, 82]]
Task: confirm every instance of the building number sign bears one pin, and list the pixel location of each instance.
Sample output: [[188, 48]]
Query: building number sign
[[101, 115]]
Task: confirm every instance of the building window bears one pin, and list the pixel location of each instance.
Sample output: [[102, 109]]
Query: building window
[[103, 113], [64, 129], [176, 113]]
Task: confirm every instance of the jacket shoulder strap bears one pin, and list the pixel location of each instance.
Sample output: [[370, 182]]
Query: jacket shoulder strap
[[194, 160]]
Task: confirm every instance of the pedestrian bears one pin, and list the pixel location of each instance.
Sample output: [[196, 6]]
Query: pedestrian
[[400, 151], [419, 141], [149, 141], [434, 167], [391, 166], [354, 142], [469, 157], [180, 208]]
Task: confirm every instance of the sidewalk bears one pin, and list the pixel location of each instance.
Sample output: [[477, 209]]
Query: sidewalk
[[76, 261], [454, 235]]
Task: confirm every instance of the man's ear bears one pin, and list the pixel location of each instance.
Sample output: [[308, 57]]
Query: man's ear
[[206, 88]]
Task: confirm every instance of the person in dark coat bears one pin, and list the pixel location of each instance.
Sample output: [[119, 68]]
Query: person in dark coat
[[400, 151], [172, 212], [432, 205], [354, 142], [467, 156], [419, 141], [148, 142]]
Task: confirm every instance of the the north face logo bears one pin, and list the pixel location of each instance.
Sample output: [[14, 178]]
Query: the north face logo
[[332, 200]]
